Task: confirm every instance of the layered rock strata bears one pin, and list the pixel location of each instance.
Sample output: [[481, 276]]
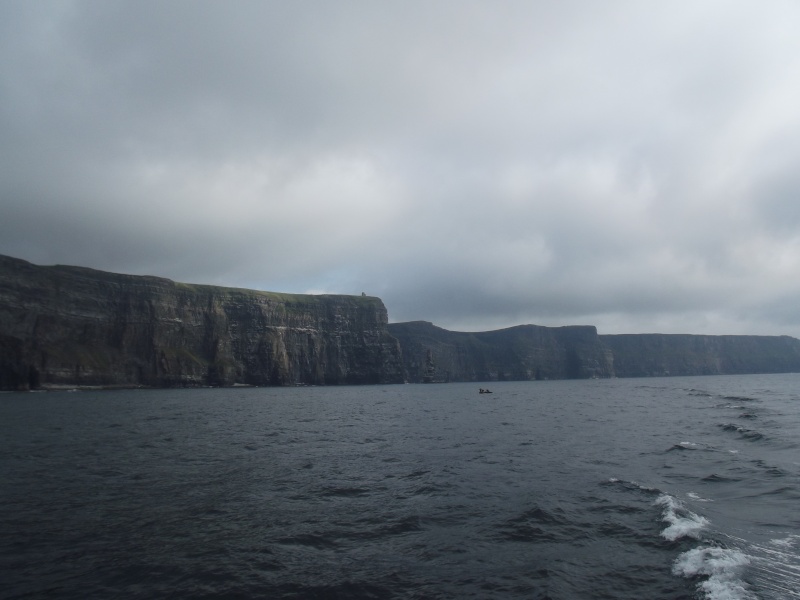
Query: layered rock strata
[[646, 355], [531, 352], [72, 326], [520, 353]]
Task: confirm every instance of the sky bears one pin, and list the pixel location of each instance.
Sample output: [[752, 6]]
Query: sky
[[624, 164]]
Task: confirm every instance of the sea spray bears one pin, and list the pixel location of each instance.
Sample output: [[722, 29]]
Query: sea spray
[[721, 566]]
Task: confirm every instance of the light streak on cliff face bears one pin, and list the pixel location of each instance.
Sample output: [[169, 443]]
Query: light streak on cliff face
[[626, 165]]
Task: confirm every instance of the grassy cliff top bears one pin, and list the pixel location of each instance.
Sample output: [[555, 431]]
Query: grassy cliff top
[[277, 296], [17, 268]]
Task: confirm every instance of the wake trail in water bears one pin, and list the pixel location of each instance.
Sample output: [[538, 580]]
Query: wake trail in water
[[682, 521]]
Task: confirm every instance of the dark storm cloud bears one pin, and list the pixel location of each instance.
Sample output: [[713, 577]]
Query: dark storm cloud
[[475, 164]]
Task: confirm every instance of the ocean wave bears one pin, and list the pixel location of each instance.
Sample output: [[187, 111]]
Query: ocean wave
[[771, 568], [684, 446], [696, 392], [768, 469], [777, 566], [714, 478], [540, 525], [682, 522], [749, 434], [632, 485], [697, 498], [740, 399], [792, 541], [722, 568]]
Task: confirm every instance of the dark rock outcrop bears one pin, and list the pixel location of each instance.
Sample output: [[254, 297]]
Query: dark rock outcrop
[[643, 355], [81, 327], [519, 353]]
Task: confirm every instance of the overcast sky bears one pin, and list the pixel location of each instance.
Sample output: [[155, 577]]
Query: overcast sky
[[630, 165]]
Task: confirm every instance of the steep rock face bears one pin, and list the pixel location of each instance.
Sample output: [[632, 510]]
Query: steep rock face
[[642, 355], [75, 326], [532, 352], [519, 353]]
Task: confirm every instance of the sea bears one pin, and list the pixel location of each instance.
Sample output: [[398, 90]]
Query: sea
[[656, 488]]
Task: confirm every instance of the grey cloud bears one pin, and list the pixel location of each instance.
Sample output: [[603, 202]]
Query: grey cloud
[[478, 165]]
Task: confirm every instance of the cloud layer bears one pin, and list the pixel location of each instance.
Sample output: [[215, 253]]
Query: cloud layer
[[479, 165]]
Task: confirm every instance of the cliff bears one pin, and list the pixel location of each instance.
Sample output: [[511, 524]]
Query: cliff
[[642, 355], [531, 352], [519, 353], [74, 326]]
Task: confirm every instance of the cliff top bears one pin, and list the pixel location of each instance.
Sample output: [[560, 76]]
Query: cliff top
[[9, 265]]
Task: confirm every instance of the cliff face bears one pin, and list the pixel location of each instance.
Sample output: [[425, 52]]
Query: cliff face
[[519, 353], [643, 355], [71, 326], [75, 326], [531, 352]]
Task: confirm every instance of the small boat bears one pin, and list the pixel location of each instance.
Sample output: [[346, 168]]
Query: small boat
[[483, 391]]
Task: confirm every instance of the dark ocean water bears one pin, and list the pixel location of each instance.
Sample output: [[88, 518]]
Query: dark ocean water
[[640, 488]]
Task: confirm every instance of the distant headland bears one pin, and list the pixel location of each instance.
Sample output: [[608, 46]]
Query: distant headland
[[63, 326]]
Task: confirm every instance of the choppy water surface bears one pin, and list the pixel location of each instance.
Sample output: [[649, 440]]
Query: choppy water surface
[[639, 488]]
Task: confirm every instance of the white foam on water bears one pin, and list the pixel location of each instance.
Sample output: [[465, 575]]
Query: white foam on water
[[771, 569], [793, 541], [688, 445], [776, 567], [682, 522], [696, 497], [722, 567]]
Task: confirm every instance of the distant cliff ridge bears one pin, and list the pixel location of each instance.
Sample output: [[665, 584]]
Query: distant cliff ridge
[[530, 352], [646, 355], [72, 326], [519, 353], [80, 327]]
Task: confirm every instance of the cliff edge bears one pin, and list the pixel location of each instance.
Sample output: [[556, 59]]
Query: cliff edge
[[73, 326]]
